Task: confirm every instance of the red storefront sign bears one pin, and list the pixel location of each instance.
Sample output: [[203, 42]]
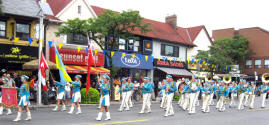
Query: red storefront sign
[[169, 64], [73, 57]]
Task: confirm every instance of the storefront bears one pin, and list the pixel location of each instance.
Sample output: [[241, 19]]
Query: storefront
[[12, 57], [136, 66], [76, 62], [175, 68]]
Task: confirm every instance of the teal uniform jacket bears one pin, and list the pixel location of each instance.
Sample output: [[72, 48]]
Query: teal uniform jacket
[[263, 88], [147, 88], [105, 88], [60, 86], [223, 91], [163, 88], [189, 90], [233, 90], [126, 86], [207, 90], [173, 87], [76, 86], [25, 91], [242, 88]]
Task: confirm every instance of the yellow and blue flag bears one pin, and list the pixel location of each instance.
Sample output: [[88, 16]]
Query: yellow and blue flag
[[60, 65]]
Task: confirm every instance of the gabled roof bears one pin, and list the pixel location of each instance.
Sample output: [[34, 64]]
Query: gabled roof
[[28, 8], [58, 5], [161, 30], [194, 32]]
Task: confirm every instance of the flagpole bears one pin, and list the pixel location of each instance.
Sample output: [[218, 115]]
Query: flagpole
[[41, 33]]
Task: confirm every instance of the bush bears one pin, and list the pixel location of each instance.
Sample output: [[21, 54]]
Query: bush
[[176, 98], [91, 98]]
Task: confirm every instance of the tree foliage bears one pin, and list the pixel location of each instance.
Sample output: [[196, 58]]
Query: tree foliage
[[1, 7], [226, 51]]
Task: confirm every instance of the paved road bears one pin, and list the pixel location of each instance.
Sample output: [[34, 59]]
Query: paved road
[[44, 116]]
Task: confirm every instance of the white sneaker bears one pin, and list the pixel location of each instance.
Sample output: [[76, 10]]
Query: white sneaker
[[142, 112], [99, 117]]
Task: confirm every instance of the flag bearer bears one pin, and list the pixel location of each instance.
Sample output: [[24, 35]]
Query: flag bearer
[[105, 103], [263, 91], [146, 90], [170, 89], [124, 89], [76, 96], [206, 90], [60, 95], [4, 80], [24, 99]]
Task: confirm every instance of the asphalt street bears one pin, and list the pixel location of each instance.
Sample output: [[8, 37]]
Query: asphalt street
[[45, 116]]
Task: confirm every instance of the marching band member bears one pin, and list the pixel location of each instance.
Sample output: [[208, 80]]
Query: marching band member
[[233, 91], [146, 90], [185, 91], [247, 95], [24, 100], [213, 92], [223, 94], [4, 80], [242, 88], [263, 90], [182, 96], [125, 87], [100, 100], [192, 89], [251, 91], [76, 96], [163, 93], [130, 92], [197, 93], [105, 88], [170, 89], [206, 90], [60, 95]]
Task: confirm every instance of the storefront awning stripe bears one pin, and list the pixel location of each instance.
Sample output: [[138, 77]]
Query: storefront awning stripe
[[80, 68], [173, 71], [84, 69]]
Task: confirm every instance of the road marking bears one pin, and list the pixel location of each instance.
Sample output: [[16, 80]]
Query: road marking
[[259, 109], [122, 122]]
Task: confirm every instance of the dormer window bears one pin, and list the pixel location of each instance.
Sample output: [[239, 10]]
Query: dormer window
[[79, 9]]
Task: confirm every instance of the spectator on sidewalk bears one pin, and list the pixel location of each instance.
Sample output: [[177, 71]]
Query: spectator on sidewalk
[[10, 82], [136, 94], [117, 85], [67, 93]]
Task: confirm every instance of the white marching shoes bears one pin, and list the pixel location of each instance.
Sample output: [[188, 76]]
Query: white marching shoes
[[64, 108], [79, 111], [108, 116], [1, 110], [28, 117], [9, 112], [99, 117], [18, 118], [71, 110], [55, 109]]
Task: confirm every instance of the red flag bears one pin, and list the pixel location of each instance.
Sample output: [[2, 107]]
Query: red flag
[[90, 61], [9, 97], [43, 65]]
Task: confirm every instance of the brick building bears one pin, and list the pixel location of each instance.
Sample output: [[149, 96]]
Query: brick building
[[258, 60]]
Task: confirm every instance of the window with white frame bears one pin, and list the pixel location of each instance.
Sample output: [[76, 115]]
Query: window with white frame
[[130, 45], [266, 63], [258, 63], [2, 29], [23, 31], [122, 44], [248, 64]]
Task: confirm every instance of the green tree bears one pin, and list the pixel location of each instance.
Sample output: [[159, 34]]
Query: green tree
[[226, 52], [110, 25], [1, 7]]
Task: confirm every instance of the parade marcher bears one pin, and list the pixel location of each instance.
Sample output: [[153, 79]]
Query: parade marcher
[[213, 91], [130, 92], [5, 81], [251, 91], [180, 88], [76, 96], [100, 100], [163, 93], [192, 89], [263, 91], [60, 95], [24, 99], [242, 90], [197, 93], [223, 94], [206, 90], [136, 94], [146, 88], [105, 103], [247, 95], [124, 89], [170, 89], [233, 91], [185, 91]]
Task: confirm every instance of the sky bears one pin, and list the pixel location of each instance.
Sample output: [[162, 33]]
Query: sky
[[214, 14]]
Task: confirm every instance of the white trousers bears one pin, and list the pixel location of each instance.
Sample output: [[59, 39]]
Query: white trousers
[[192, 102], [129, 95], [251, 100], [146, 102], [124, 101], [263, 96], [246, 99], [196, 98], [221, 103], [186, 101], [164, 100], [169, 108], [233, 96], [211, 101], [241, 98], [205, 106], [181, 100]]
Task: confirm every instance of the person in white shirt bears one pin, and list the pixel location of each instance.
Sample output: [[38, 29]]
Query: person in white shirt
[[67, 93]]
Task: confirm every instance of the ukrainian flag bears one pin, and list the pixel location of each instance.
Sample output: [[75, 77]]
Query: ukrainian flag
[[59, 64]]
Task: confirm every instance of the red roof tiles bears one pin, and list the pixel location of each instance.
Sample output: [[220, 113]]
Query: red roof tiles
[[58, 5]]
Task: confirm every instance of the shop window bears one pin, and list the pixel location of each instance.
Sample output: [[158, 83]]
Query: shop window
[[122, 44], [258, 63], [248, 64], [23, 31], [2, 29], [77, 39], [147, 46], [130, 45], [136, 46], [266, 63], [169, 50]]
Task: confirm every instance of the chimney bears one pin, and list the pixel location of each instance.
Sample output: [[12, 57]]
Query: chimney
[[172, 20]]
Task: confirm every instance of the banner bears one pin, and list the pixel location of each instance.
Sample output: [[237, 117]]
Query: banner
[[9, 97]]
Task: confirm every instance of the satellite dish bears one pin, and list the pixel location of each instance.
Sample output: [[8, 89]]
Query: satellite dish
[[45, 7]]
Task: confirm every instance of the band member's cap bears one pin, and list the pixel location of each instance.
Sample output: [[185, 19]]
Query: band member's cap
[[78, 76], [123, 78], [168, 76], [25, 77], [3, 70], [106, 76]]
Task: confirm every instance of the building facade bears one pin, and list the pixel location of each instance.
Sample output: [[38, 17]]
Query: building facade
[[258, 60]]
